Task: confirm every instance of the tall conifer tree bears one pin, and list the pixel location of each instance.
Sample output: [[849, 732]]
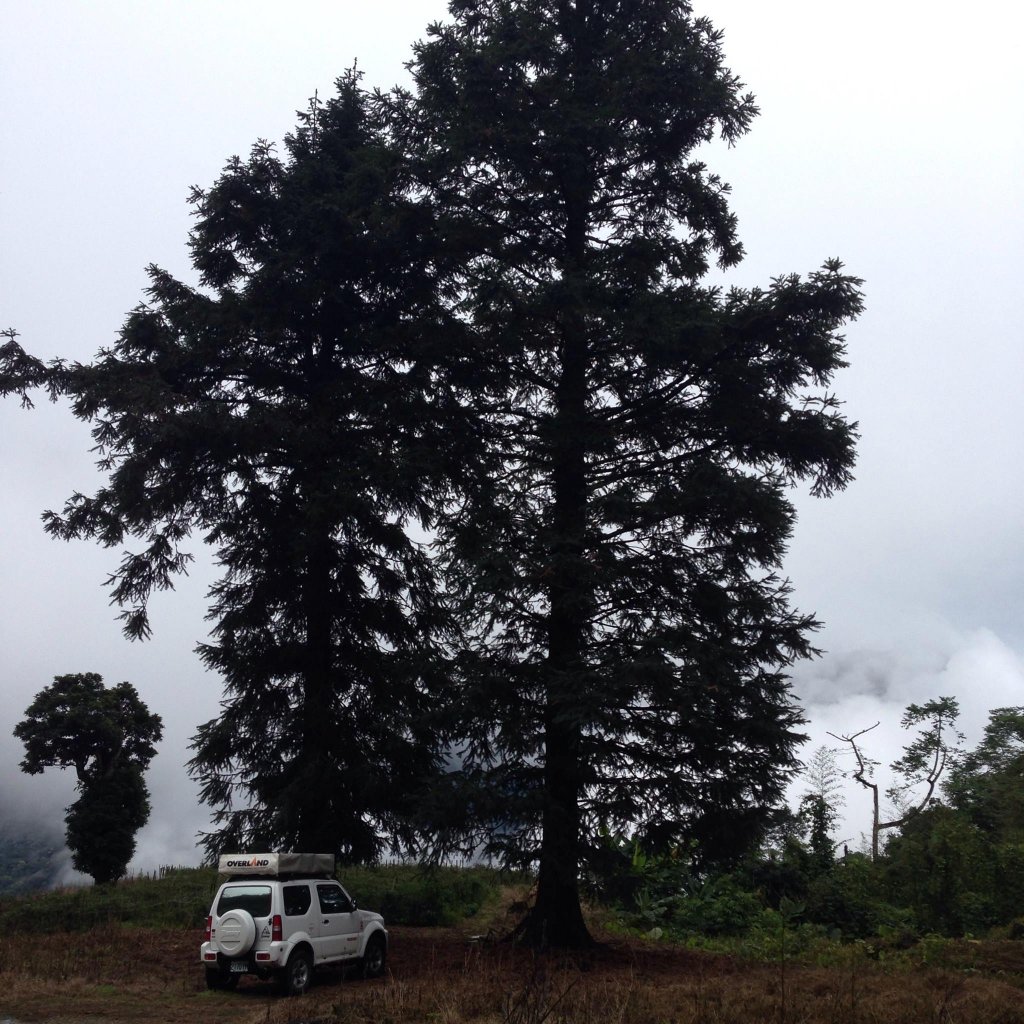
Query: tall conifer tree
[[286, 410], [616, 560]]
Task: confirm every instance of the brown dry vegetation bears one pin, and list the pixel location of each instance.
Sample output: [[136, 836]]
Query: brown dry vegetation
[[436, 977]]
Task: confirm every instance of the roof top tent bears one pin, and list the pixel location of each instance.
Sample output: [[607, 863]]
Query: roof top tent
[[276, 865]]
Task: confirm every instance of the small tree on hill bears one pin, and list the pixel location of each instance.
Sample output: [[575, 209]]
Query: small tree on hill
[[820, 804], [108, 737]]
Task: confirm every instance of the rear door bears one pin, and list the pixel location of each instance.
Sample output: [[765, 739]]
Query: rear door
[[301, 913], [339, 924], [253, 899]]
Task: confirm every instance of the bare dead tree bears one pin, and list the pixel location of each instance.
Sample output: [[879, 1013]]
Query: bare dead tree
[[922, 764]]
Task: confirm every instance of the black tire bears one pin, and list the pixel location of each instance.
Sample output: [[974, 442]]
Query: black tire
[[220, 981], [297, 974], [374, 960]]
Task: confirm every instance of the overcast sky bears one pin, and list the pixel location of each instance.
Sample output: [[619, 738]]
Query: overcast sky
[[890, 137]]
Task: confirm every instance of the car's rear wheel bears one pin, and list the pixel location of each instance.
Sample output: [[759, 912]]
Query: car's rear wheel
[[297, 974], [375, 957]]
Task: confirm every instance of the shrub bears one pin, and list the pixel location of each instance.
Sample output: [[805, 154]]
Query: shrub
[[418, 896], [849, 898], [718, 907]]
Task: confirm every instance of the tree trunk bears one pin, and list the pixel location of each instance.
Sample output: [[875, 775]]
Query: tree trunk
[[556, 918], [317, 820]]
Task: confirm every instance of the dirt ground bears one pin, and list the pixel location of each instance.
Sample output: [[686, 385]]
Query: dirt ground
[[438, 976]]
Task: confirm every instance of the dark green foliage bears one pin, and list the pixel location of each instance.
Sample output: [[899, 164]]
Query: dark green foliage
[[21, 373], [850, 899], [988, 782], [79, 723], [287, 411], [934, 748], [422, 897], [820, 805], [819, 819], [612, 519], [108, 736], [615, 563], [325, 320], [103, 821], [945, 870], [180, 898], [618, 870], [177, 898], [720, 906], [662, 892], [783, 871], [961, 867]]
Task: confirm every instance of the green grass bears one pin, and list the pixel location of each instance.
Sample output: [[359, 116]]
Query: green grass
[[178, 898], [181, 898], [411, 895]]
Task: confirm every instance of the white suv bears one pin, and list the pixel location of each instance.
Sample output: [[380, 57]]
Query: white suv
[[280, 915]]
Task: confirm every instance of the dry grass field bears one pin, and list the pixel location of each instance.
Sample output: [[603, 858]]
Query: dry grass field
[[437, 976]]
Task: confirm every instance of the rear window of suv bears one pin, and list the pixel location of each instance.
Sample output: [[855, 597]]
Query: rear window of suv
[[296, 900], [253, 898]]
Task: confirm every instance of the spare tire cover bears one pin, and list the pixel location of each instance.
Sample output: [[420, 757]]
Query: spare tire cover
[[236, 932]]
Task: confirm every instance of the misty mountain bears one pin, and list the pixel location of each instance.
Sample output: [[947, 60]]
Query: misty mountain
[[27, 860]]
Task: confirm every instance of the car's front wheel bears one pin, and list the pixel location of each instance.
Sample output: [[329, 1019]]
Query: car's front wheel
[[297, 974], [375, 957]]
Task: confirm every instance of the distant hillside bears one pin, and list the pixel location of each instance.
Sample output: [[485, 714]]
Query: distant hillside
[[27, 861]]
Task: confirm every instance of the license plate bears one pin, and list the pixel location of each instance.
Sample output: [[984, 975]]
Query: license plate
[[239, 967]]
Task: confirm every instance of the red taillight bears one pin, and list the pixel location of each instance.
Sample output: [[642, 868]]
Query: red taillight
[[208, 933], [276, 933]]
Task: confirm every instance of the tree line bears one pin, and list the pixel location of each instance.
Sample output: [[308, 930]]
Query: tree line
[[499, 489], [941, 855]]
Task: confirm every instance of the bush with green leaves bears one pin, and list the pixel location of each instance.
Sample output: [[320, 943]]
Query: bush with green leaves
[[946, 870], [420, 896], [718, 907], [620, 872], [850, 899]]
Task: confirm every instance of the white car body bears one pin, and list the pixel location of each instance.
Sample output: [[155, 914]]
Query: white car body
[[268, 922]]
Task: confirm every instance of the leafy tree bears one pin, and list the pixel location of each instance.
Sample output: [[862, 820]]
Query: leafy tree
[[108, 737], [615, 559], [944, 868], [925, 758], [820, 805], [818, 820], [987, 783], [103, 821], [286, 410], [851, 898]]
